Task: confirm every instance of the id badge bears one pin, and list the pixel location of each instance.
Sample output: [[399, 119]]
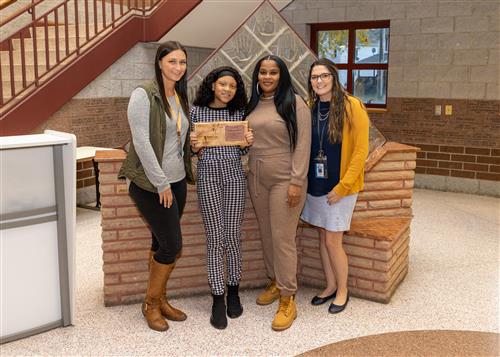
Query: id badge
[[320, 165]]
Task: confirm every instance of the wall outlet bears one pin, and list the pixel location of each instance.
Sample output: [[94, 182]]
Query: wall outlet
[[448, 109], [437, 110]]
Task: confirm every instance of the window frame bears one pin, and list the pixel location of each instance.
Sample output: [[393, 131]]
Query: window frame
[[351, 65]]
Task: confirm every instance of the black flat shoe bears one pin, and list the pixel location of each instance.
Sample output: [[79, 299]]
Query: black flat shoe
[[335, 309], [321, 300]]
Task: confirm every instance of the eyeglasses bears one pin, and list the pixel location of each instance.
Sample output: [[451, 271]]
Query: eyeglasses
[[323, 76]]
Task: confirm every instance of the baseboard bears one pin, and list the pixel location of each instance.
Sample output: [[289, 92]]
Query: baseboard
[[458, 184]]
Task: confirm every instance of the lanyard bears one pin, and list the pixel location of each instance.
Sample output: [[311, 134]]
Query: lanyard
[[179, 117], [320, 136]]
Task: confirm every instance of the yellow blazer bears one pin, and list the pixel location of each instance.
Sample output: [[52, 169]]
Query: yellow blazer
[[354, 149]]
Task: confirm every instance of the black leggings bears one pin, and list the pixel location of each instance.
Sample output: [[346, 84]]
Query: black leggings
[[164, 222]]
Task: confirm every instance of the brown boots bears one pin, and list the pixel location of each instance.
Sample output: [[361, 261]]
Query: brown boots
[[158, 276], [156, 305], [167, 310]]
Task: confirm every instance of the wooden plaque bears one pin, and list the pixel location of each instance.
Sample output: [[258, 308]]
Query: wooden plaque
[[222, 133]]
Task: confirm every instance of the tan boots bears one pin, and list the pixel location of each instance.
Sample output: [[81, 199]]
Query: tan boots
[[270, 295], [156, 305], [287, 309], [167, 310], [286, 314], [158, 276]]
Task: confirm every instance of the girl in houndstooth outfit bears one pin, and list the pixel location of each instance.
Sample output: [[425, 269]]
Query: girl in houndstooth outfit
[[221, 188]]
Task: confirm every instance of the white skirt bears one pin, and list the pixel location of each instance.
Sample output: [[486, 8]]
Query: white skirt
[[333, 218]]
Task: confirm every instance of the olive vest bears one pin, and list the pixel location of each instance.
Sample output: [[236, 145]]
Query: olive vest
[[132, 167]]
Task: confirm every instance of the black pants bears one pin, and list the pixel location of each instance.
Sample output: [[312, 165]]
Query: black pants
[[164, 222]]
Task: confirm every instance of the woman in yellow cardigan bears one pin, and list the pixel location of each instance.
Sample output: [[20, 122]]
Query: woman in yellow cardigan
[[339, 148]]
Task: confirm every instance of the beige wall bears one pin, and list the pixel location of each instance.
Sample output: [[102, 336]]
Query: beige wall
[[132, 69]]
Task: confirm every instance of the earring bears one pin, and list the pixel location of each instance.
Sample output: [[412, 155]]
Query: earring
[[315, 96], [258, 93]]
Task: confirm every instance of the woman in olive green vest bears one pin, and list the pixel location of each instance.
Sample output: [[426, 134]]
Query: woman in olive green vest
[[157, 168]]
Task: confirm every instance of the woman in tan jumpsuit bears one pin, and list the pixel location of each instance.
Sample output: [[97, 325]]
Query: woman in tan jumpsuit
[[278, 161]]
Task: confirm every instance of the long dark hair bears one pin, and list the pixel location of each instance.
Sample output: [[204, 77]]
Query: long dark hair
[[180, 86], [338, 109], [284, 98], [205, 94]]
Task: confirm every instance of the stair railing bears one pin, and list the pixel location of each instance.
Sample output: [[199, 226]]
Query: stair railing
[[44, 45]]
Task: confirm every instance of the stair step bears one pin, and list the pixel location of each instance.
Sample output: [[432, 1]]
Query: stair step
[[28, 42], [28, 52], [51, 39], [29, 57], [41, 43], [82, 19], [30, 72], [51, 32], [7, 96], [18, 67], [29, 61], [18, 85]]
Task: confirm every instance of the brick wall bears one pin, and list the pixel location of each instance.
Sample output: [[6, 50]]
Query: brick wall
[[85, 175], [465, 144], [100, 122], [459, 161], [388, 199], [85, 183]]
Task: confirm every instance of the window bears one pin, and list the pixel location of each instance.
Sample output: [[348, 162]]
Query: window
[[360, 50]]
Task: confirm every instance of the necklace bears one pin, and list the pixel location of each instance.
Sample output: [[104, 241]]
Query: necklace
[[323, 117], [321, 133], [267, 98]]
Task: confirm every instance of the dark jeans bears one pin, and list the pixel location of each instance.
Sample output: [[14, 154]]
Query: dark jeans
[[164, 222]]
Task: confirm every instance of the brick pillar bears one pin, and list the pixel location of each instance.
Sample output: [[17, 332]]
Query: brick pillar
[[377, 247], [389, 178], [377, 250], [127, 240]]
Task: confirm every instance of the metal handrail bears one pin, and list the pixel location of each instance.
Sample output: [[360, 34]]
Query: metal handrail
[[52, 47], [5, 3], [25, 9]]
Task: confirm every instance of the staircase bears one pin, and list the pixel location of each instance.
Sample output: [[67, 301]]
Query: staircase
[[56, 47]]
